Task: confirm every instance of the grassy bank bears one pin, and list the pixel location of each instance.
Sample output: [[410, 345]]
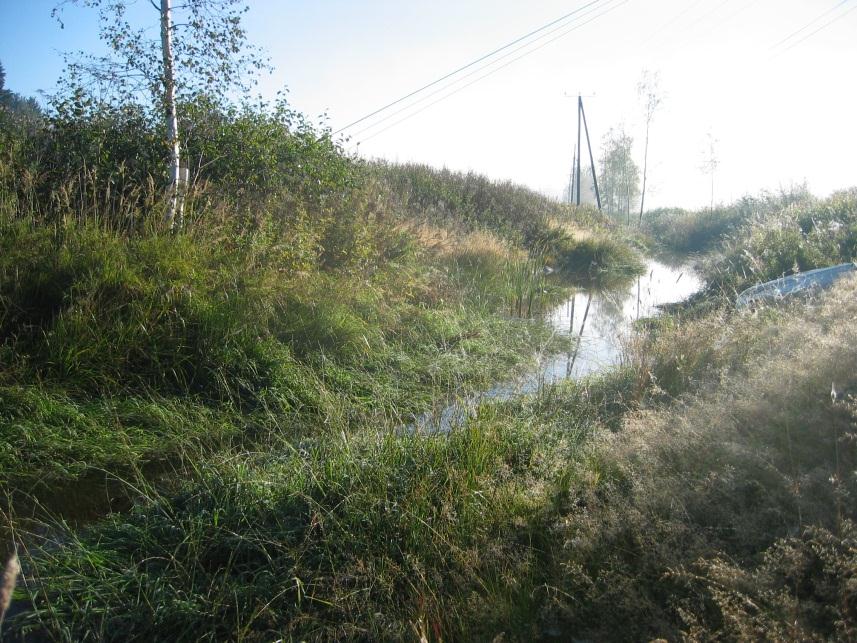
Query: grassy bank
[[598, 508], [138, 364], [679, 231], [118, 351], [241, 391], [705, 490]]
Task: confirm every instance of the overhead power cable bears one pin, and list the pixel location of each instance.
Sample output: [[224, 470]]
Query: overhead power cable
[[821, 28], [670, 22], [468, 65], [810, 24], [478, 70], [493, 71]]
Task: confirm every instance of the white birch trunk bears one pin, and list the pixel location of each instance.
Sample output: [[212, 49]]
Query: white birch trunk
[[645, 169], [175, 207]]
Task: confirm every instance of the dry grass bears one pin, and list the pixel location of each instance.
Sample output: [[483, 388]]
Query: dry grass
[[448, 242], [571, 228], [730, 511]]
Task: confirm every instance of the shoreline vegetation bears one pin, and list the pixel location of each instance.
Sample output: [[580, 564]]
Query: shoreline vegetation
[[233, 392]]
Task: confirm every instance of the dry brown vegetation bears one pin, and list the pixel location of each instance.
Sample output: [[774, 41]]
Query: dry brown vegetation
[[728, 514]]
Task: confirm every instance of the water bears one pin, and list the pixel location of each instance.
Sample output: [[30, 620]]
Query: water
[[597, 322]]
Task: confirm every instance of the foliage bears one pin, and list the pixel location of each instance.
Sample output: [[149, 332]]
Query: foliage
[[443, 196], [210, 51], [619, 176], [680, 231], [237, 322], [576, 511], [548, 229], [22, 108], [800, 235], [92, 159], [730, 513]]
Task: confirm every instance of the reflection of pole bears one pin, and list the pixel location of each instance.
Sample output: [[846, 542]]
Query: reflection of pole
[[580, 334], [571, 316], [568, 364], [638, 298]]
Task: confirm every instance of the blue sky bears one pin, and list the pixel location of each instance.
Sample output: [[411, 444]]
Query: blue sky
[[781, 113]]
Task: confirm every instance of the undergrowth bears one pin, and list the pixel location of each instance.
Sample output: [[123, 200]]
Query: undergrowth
[[592, 508]]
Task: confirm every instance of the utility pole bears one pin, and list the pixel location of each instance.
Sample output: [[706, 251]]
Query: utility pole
[[579, 115], [589, 145], [582, 127], [569, 193]]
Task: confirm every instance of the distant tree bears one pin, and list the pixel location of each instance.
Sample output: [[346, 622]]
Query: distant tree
[[648, 89], [710, 161], [18, 105], [620, 176], [201, 50]]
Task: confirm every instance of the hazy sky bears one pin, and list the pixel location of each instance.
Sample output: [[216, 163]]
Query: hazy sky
[[783, 109]]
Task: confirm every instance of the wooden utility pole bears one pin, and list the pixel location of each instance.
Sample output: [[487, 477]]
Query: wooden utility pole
[[583, 127], [570, 195], [591, 158], [579, 114]]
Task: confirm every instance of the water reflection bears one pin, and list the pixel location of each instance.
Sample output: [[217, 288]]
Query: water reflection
[[598, 321], [611, 317]]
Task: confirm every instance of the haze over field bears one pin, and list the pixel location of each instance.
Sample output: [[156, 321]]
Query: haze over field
[[776, 104]]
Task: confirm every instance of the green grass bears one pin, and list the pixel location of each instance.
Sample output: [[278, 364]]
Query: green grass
[[799, 237], [245, 386], [216, 341], [365, 536], [604, 508], [679, 231]]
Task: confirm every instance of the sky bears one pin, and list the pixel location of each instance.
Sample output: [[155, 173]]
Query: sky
[[779, 100]]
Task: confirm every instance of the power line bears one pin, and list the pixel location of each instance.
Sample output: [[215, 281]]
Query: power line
[[821, 28], [470, 74], [468, 65], [490, 73], [810, 23], [493, 71], [707, 15], [670, 22]]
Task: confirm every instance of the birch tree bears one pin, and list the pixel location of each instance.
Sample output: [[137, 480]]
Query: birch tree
[[178, 180], [619, 176], [648, 89], [710, 161], [202, 51]]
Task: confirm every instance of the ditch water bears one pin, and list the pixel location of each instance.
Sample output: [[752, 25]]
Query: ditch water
[[597, 322]]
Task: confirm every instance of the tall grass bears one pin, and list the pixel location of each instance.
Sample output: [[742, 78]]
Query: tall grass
[[592, 508], [680, 231], [361, 537], [725, 516], [604, 509], [799, 237], [561, 235]]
